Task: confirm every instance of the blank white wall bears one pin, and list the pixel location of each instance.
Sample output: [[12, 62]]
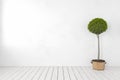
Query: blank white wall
[[54, 32]]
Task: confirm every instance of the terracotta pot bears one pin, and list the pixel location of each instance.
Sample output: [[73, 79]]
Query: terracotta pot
[[98, 64]]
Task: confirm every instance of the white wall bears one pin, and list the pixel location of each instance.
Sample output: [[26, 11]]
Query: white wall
[[54, 32]]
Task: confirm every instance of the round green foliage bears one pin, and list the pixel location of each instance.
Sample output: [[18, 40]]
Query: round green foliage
[[97, 26]]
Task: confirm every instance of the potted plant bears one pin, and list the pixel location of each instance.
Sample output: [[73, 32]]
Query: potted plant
[[98, 26]]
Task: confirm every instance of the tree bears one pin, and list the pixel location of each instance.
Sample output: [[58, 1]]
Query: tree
[[97, 26]]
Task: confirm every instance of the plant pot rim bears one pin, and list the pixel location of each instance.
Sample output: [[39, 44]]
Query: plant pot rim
[[98, 60]]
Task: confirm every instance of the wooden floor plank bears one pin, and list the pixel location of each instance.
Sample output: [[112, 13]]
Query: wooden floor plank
[[60, 76], [58, 73], [44, 74], [78, 74], [39, 74], [51, 78], [82, 73], [66, 74], [49, 73], [12, 72], [63, 73], [7, 74], [72, 73], [87, 73], [54, 77], [33, 73], [96, 77], [20, 74]]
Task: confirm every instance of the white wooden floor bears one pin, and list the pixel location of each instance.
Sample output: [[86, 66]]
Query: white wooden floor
[[58, 73]]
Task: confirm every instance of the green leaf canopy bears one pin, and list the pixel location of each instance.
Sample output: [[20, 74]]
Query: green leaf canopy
[[97, 26]]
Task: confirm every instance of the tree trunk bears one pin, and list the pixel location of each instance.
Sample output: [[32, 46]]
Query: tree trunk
[[98, 46]]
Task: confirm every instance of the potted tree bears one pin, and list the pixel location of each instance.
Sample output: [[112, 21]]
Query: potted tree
[[98, 26]]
